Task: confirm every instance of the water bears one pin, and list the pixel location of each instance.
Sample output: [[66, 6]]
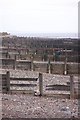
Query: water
[[47, 35]]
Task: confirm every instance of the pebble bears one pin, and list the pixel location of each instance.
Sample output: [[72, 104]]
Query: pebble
[[32, 106]]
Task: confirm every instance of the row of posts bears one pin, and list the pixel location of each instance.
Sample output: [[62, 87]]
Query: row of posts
[[49, 66], [72, 92]]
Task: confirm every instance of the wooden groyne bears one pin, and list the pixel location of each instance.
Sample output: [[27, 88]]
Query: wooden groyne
[[35, 85]]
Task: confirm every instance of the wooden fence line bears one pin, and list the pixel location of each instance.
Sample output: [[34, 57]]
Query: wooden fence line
[[65, 67], [8, 78]]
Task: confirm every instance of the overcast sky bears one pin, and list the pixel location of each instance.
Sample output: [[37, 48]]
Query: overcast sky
[[48, 16]]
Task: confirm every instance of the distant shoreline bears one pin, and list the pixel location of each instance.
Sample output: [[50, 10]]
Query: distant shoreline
[[47, 35], [43, 35]]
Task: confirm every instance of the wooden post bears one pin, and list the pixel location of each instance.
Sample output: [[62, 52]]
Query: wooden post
[[32, 66], [8, 80], [40, 84], [14, 63], [54, 56], [79, 86], [19, 55], [71, 87], [49, 67], [7, 55], [65, 67], [8, 52]]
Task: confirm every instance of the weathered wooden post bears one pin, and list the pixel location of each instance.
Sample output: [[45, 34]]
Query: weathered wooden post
[[19, 54], [71, 87], [78, 85], [32, 65], [49, 66], [54, 56], [8, 80], [7, 54], [40, 84], [65, 66], [14, 63]]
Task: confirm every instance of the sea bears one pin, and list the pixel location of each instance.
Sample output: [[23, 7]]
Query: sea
[[46, 35]]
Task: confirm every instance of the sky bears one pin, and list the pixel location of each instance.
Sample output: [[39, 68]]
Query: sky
[[39, 16]]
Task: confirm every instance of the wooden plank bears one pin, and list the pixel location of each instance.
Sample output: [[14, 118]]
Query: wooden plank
[[2, 74], [57, 95], [4, 86], [58, 87], [7, 59], [23, 79], [22, 91], [23, 61], [74, 83], [23, 85]]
